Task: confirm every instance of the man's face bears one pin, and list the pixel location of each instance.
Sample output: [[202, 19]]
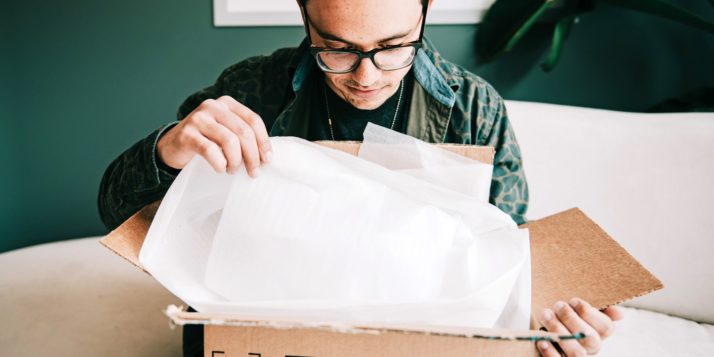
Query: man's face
[[364, 25]]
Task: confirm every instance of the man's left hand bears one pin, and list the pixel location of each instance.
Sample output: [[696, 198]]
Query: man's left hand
[[573, 317]]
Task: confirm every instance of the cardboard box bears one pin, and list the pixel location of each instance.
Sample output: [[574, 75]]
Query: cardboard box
[[571, 257]]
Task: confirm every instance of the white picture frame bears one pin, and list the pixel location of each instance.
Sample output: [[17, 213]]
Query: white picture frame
[[231, 13]]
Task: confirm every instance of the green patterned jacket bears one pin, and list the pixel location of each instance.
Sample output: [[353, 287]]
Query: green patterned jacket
[[448, 105]]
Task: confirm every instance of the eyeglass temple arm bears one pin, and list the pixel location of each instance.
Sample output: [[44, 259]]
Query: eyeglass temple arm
[[424, 7]]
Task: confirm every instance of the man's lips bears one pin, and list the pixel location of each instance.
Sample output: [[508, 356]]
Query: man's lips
[[365, 93]]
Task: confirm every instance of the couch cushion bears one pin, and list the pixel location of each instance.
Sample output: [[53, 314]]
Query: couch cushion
[[647, 333], [77, 298], [647, 179]]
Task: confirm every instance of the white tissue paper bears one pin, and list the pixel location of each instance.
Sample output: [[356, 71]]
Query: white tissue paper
[[418, 159], [401, 235]]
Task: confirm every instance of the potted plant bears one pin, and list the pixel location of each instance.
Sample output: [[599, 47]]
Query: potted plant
[[507, 21]]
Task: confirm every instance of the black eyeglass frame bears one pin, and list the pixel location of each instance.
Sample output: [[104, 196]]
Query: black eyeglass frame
[[316, 51]]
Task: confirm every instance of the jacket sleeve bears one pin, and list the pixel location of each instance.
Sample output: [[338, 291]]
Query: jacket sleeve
[[133, 180], [137, 177], [509, 189]]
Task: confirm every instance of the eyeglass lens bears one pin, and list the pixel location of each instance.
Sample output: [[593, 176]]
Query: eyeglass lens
[[389, 59]]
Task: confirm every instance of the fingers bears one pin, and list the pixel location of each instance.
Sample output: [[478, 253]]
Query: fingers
[[552, 323], [249, 146], [226, 133], [578, 316], [614, 312], [575, 323], [219, 122], [599, 321], [228, 143], [210, 151], [242, 139], [255, 123], [547, 349]]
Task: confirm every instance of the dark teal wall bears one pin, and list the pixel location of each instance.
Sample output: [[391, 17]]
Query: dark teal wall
[[8, 147], [83, 80]]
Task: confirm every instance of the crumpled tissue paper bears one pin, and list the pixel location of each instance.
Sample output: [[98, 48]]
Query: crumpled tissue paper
[[402, 234]]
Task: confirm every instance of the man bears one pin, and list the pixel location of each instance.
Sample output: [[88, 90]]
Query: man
[[362, 61]]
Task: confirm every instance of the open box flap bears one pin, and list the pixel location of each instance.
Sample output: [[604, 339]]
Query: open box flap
[[127, 239], [574, 257]]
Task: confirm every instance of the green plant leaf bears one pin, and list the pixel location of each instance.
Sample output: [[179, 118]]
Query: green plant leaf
[[526, 26], [504, 25], [560, 34], [667, 10]]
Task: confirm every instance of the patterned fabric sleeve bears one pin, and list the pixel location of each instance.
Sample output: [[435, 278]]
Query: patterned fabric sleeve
[[136, 178], [509, 189], [133, 180]]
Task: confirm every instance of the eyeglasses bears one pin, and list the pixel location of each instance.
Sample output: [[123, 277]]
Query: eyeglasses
[[388, 58]]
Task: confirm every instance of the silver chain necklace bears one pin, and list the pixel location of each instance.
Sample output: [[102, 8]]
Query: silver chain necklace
[[329, 116]]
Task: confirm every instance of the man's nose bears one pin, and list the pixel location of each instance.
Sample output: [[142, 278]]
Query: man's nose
[[366, 73]]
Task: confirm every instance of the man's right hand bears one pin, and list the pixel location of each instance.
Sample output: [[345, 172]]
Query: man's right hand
[[225, 132]]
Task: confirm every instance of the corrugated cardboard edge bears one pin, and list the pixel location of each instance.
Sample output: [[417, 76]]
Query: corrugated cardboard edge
[[262, 341], [179, 316], [127, 239], [484, 154]]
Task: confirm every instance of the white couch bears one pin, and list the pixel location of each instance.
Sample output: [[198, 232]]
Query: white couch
[[648, 180], [645, 178]]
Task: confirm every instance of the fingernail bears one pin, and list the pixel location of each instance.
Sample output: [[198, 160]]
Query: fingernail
[[546, 315], [255, 173], [543, 345], [574, 303], [559, 306], [269, 156]]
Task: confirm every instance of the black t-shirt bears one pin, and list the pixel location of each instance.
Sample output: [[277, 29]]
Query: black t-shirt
[[348, 122]]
